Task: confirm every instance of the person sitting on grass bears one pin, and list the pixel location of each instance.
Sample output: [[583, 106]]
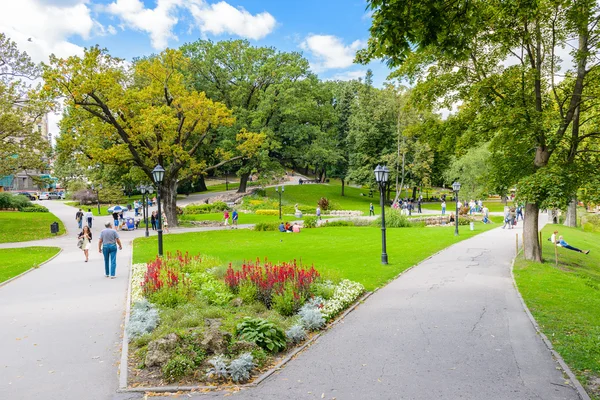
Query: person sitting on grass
[[281, 227], [296, 228], [566, 245], [288, 227]]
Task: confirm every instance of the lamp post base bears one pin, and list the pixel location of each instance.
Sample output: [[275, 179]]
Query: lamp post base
[[384, 259]]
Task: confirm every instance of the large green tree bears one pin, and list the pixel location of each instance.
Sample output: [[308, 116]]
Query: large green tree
[[140, 115], [500, 58]]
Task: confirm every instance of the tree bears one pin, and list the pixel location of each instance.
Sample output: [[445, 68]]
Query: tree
[[21, 145], [139, 115], [471, 170], [458, 50]]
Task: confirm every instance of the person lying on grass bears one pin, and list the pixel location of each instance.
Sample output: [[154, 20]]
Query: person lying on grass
[[564, 244]]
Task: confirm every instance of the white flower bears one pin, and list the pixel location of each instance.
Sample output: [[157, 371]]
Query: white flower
[[137, 278], [345, 293]]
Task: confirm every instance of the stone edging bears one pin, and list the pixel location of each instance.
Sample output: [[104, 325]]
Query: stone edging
[[32, 268], [124, 365], [577, 385]]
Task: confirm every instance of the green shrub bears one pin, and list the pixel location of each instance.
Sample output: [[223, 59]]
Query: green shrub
[[267, 212], [310, 222], [324, 289], [215, 207], [216, 292], [34, 208], [304, 209], [339, 223], [261, 192], [169, 297], [394, 219], [266, 226], [177, 367], [260, 357], [323, 203], [287, 303], [247, 292], [262, 332], [9, 201]]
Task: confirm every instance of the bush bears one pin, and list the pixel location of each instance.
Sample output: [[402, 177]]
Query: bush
[[267, 212], [323, 290], [323, 203], [85, 196], [165, 282], [394, 219], [262, 332], [219, 369], [217, 206], [9, 201], [177, 367], [34, 208], [296, 334], [239, 369], [311, 317], [266, 226], [288, 302], [247, 292], [310, 222], [143, 319], [216, 292], [260, 357], [339, 223]]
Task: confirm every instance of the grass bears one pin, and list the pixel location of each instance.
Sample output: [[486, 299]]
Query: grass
[[24, 226], [565, 300], [243, 218], [337, 252], [17, 261], [310, 194]]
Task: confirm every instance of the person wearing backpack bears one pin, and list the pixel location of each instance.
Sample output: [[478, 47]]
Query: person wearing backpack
[[79, 218]]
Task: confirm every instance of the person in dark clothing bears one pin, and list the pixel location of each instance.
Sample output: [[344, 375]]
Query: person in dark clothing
[[419, 204], [153, 220]]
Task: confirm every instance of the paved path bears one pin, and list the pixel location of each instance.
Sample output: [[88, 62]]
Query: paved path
[[451, 328]]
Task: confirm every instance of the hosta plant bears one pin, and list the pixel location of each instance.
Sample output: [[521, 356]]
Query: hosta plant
[[262, 332]]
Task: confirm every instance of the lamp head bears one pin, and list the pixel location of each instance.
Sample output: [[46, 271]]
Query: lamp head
[[456, 186], [142, 189], [158, 173]]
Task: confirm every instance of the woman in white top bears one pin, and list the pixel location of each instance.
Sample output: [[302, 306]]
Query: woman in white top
[[86, 236]]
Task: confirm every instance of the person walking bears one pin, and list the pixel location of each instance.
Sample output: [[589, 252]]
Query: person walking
[[419, 201], [443, 207], [85, 236], [165, 222], [89, 217], [115, 216], [318, 212], [371, 210], [153, 220], [107, 245], [234, 219], [226, 217], [79, 218]]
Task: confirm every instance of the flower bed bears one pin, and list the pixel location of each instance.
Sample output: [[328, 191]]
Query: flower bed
[[197, 322]]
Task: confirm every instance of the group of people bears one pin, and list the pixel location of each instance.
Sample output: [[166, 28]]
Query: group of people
[[286, 227], [234, 218], [512, 215], [86, 217], [406, 206]]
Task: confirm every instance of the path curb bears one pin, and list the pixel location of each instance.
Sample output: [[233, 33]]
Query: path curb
[[574, 381], [32, 268], [124, 365]]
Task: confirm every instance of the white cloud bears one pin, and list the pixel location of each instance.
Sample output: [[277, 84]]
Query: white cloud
[[41, 29], [157, 22], [330, 52], [222, 18], [348, 75]]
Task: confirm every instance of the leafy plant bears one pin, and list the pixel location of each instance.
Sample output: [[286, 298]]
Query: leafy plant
[[143, 319], [267, 212], [266, 226], [219, 367], [287, 302], [323, 203], [34, 208], [310, 222], [217, 206], [177, 367], [262, 332], [311, 317], [296, 334], [216, 292], [9, 201], [394, 219], [239, 369]]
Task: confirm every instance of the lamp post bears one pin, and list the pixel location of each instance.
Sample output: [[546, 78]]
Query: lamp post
[[280, 193], [381, 177], [158, 173], [97, 195], [456, 188]]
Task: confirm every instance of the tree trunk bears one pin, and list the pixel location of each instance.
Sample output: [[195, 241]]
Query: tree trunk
[[168, 198], [414, 194], [243, 183], [530, 233], [201, 184], [571, 217], [343, 183]]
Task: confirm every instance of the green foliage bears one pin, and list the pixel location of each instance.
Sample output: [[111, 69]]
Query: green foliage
[[472, 170], [18, 260], [9, 201], [323, 203], [340, 222], [22, 227], [247, 292], [35, 208], [216, 292], [260, 357], [177, 367], [217, 206], [266, 226], [324, 290], [310, 222], [267, 212], [262, 332], [287, 303], [394, 219]]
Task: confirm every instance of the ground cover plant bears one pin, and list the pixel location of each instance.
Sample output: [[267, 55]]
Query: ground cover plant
[[17, 261], [337, 252], [24, 226], [195, 320], [565, 300]]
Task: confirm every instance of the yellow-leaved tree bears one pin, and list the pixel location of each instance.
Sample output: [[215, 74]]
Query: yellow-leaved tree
[[140, 114]]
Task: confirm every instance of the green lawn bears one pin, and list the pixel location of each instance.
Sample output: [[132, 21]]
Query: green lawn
[[17, 261], [339, 252], [565, 300], [94, 208], [310, 194], [243, 218], [25, 226]]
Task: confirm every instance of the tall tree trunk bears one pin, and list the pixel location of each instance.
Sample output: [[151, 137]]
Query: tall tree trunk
[[168, 198], [414, 194], [571, 217], [243, 183], [530, 233], [343, 184], [201, 184]]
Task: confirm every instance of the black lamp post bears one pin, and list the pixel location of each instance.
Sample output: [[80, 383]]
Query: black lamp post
[[381, 177], [280, 193], [158, 173], [97, 195], [456, 188]]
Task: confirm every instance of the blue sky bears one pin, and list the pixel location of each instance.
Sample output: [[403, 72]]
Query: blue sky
[[328, 32]]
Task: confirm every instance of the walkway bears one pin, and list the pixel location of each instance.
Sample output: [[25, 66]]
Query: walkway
[[451, 328]]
